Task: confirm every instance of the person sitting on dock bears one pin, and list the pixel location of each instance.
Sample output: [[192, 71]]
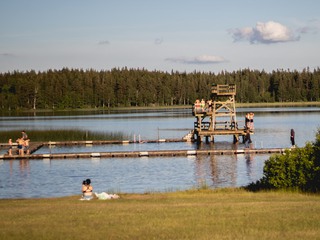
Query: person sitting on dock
[[87, 190]]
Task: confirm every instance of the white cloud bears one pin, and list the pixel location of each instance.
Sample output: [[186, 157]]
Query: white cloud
[[7, 55], [158, 41], [106, 42], [269, 32], [312, 26], [204, 59]]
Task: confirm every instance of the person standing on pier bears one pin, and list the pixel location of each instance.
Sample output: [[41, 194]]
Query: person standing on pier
[[10, 147], [251, 115], [247, 121], [203, 104], [24, 135], [292, 136], [27, 146], [20, 142]]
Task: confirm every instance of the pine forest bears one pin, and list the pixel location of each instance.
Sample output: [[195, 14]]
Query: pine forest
[[77, 88]]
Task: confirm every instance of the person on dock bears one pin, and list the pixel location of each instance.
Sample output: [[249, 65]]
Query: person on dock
[[27, 146], [10, 147], [209, 105], [251, 116], [20, 142], [24, 135], [292, 136], [87, 190], [247, 121], [197, 106], [202, 105]]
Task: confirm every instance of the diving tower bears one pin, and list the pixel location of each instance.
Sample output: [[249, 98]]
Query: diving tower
[[217, 116]]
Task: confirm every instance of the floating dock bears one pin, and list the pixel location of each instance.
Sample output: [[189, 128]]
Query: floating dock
[[132, 154]]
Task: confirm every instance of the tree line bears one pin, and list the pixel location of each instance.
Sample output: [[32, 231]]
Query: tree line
[[78, 88]]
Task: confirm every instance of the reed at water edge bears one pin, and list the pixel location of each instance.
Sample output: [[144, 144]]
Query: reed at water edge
[[62, 135]]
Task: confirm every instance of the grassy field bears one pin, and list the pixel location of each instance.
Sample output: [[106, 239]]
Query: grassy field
[[194, 214]]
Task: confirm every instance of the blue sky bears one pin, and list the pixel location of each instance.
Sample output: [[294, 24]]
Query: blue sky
[[178, 35]]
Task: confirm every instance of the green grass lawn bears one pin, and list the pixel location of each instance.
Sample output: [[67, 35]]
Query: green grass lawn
[[194, 214]]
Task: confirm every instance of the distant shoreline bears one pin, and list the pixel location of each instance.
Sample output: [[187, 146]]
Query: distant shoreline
[[280, 104], [248, 105]]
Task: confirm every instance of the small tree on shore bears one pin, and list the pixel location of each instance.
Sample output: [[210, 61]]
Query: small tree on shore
[[296, 169]]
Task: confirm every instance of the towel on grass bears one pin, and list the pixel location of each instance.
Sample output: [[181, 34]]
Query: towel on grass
[[105, 196]]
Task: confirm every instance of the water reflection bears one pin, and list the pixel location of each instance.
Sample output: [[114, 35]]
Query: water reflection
[[24, 166], [61, 177], [229, 170], [250, 167], [210, 170]]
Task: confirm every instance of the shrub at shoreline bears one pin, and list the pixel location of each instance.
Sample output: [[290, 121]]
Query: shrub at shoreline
[[296, 169]]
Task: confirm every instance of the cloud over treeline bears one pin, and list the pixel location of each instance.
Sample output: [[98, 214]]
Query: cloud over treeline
[[265, 33], [6, 54], [104, 42], [203, 59]]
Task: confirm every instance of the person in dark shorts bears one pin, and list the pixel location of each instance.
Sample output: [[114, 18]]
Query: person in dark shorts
[[20, 142], [292, 136]]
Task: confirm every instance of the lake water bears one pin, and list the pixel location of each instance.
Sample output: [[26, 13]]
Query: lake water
[[63, 177]]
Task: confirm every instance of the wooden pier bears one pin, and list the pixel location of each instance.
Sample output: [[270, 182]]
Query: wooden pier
[[139, 154], [128, 154]]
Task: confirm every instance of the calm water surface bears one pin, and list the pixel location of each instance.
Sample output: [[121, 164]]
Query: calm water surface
[[52, 178]]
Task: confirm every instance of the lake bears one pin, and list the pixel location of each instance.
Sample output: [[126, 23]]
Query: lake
[[63, 177]]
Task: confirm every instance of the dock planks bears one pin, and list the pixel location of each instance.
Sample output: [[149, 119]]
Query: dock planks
[[137, 154]]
